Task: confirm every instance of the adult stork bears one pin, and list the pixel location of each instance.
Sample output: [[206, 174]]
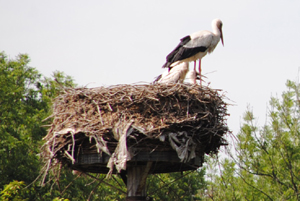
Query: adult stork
[[196, 46], [175, 75]]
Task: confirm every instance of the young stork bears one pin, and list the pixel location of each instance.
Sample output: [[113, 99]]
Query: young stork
[[175, 75], [192, 77], [196, 46]]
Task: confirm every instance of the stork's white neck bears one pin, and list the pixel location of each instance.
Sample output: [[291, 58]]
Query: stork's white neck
[[215, 29]]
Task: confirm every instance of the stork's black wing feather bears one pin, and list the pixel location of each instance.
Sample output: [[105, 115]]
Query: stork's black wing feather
[[181, 52], [170, 56], [184, 53]]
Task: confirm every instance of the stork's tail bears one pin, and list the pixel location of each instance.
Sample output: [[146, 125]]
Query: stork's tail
[[167, 65], [157, 79]]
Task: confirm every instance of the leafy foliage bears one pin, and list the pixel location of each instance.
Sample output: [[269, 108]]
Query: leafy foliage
[[20, 120], [177, 186], [266, 162], [25, 101]]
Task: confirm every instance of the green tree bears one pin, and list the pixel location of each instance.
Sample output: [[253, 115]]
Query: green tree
[[25, 98], [177, 186], [266, 162], [19, 114]]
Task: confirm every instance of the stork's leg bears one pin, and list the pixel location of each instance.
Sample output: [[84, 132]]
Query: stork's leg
[[200, 71], [194, 81]]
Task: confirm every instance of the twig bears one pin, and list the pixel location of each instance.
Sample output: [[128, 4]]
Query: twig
[[98, 108]]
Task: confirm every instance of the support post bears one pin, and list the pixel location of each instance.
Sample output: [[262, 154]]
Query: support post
[[136, 181]]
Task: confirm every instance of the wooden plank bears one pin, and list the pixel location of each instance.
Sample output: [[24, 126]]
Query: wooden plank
[[92, 158], [163, 162]]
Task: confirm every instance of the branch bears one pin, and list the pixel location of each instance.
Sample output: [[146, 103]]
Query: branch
[[106, 183], [253, 186]]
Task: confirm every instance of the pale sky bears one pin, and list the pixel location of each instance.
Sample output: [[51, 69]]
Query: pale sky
[[107, 42]]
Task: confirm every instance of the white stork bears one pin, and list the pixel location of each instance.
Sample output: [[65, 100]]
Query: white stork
[[196, 46], [192, 76], [175, 75]]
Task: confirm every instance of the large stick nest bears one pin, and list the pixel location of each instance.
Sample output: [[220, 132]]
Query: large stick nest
[[152, 111]]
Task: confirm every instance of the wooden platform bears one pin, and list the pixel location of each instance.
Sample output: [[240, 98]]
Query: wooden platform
[[138, 168], [163, 162]]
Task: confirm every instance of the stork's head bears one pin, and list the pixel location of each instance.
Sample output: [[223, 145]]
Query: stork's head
[[217, 23]]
